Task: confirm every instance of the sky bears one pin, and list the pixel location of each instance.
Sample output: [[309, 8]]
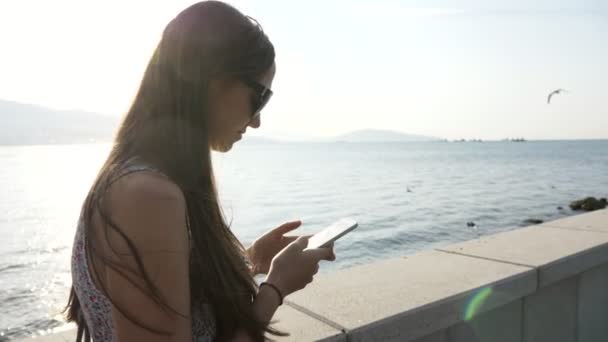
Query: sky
[[451, 69]]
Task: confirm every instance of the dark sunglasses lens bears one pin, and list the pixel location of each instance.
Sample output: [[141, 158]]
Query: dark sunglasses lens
[[259, 102], [264, 100], [256, 105]]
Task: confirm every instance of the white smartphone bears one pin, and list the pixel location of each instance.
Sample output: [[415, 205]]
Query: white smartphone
[[331, 233]]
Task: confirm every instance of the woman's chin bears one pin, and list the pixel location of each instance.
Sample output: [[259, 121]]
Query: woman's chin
[[226, 144], [222, 147]]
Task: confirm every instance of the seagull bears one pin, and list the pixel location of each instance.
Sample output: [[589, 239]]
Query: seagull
[[558, 91]]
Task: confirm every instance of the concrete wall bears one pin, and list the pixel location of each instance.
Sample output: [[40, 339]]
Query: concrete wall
[[545, 283]]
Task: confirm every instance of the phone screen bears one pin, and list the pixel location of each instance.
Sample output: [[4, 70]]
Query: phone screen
[[332, 233]]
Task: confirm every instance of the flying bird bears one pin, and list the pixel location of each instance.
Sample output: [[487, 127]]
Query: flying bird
[[558, 91]]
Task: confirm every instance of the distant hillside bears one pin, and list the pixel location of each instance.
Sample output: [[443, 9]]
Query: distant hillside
[[375, 135], [24, 124]]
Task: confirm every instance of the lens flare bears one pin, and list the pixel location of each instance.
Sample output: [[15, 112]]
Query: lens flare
[[476, 303]]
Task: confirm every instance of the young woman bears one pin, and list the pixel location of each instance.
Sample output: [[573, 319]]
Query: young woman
[[153, 258]]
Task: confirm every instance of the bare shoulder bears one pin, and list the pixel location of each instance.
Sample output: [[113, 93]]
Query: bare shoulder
[[150, 209], [149, 186]]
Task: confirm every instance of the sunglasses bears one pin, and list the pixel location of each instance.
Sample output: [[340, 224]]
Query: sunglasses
[[261, 97]]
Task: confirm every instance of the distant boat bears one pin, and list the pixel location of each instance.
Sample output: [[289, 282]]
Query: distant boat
[[472, 140]]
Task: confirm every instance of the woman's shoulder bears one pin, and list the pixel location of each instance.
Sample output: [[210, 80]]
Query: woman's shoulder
[[147, 184], [150, 209], [150, 213]]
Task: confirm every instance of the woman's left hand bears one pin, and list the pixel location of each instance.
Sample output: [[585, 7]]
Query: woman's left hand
[[264, 248]]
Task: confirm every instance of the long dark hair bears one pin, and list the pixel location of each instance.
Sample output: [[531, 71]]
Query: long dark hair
[[167, 126]]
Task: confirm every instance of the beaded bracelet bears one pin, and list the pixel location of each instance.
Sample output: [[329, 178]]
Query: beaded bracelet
[[276, 289]]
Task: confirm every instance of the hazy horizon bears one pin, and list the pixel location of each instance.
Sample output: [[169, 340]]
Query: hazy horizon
[[74, 127], [448, 69]]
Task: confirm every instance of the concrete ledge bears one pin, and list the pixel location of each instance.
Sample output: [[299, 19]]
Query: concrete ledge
[[300, 326], [407, 298], [303, 327], [499, 325], [593, 305], [550, 314], [556, 253], [595, 221], [440, 336]]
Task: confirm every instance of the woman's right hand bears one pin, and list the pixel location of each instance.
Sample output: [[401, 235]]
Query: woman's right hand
[[293, 267]]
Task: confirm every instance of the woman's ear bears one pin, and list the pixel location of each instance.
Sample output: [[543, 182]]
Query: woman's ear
[[220, 86], [215, 90], [219, 90]]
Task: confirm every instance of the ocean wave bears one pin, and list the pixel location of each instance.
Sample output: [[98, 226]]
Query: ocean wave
[[11, 267], [33, 328]]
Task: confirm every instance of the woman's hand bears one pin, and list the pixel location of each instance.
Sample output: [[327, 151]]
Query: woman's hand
[[264, 248], [294, 267]]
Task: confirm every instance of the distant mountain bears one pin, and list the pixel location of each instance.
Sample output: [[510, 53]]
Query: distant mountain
[[25, 124], [376, 135], [365, 135]]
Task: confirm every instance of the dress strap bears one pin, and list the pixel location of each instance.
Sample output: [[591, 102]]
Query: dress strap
[[136, 165]]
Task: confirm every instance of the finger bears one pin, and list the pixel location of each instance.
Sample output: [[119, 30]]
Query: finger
[[333, 254], [320, 253], [301, 242], [287, 227], [289, 239]]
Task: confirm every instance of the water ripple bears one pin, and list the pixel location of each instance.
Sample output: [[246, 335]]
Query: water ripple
[[496, 185]]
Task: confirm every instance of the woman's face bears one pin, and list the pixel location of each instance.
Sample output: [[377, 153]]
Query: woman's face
[[231, 110]]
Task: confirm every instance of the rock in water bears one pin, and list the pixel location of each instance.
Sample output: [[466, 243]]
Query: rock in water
[[599, 204], [577, 205], [533, 221], [471, 224], [588, 204]]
